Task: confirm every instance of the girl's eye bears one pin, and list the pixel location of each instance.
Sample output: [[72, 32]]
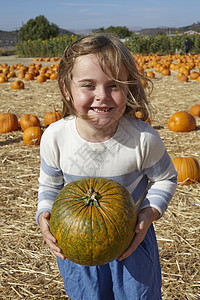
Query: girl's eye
[[88, 86], [113, 86]]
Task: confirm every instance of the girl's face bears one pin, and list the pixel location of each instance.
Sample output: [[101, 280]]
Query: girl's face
[[97, 96]]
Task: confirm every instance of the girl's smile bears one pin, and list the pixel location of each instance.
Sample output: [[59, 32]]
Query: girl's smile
[[97, 98]]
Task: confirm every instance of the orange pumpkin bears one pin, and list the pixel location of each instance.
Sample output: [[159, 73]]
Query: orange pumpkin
[[29, 76], [195, 110], [11, 74], [150, 74], [21, 74], [139, 115], [182, 77], [182, 121], [51, 117], [17, 84], [166, 72], [53, 76], [32, 135], [41, 78], [29, 120], [188, 169], [194, 75], [8, 122], [3, 78]]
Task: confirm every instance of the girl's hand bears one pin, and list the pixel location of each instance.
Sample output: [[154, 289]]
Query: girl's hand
[[145, 218], [48, 237]]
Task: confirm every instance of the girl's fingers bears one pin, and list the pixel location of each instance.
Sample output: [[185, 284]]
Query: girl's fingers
[[56, 250], [48, 237], [135, 243]]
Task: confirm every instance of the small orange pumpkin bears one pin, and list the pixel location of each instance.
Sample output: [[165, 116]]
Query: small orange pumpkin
[[182, 121], [139, 115], [29, 120], [166, 72], [188, 169], [195, 110], [41, 78], [11, 74], [21, 74], [8, 122], [51, 117], [3, 78], [32, 135], [53, 76], [17, 84], [29, 76], [182, 77], [194, 75], [150, 74]]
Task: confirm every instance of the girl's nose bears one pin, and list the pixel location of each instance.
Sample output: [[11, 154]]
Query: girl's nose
[[101, 94]]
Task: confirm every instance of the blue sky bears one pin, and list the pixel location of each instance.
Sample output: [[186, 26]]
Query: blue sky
[[91, 14]]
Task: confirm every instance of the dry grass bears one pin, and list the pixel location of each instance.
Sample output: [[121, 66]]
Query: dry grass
[[28, 268]]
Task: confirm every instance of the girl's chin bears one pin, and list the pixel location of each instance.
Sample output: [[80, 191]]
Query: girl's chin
[[104, 124], [101, 119]]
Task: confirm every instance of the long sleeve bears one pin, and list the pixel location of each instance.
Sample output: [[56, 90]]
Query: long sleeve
[[159, 169], [51, 177]]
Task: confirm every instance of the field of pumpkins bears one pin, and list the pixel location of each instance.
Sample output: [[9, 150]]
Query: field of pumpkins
[[30, 101]]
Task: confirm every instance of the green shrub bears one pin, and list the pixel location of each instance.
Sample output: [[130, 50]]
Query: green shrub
[[7, 52], [44, 48], [162, 44]]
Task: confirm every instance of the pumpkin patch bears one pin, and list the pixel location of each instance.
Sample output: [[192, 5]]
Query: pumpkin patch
[[33, 272]]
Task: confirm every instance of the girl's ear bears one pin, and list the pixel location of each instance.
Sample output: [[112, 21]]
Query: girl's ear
[[65, 93]]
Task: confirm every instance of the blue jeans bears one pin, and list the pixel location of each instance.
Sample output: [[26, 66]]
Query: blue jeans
[[138, 277]]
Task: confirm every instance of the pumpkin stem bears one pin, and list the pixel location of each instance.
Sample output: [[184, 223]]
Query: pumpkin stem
[[92, 198]]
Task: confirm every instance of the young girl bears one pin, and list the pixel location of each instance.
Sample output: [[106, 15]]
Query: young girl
[[99, 135]]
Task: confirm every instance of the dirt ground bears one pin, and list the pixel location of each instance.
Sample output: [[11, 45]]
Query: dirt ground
[[28, 268]]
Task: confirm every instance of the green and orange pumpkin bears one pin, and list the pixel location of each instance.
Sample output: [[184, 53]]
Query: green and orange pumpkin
[[93, 220]]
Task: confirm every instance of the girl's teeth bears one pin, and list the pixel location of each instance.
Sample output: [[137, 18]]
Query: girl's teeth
[[100, 110]]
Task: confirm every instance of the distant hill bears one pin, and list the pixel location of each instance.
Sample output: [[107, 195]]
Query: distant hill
[[64, 32], [8, 39], [167, 30]]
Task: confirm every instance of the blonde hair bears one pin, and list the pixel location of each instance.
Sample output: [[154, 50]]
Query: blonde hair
[[113, 54]]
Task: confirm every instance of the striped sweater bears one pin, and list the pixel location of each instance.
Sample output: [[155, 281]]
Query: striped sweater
[[135, 157]]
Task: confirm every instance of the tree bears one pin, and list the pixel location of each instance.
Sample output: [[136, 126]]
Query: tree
[[38, 28], [121, 31]]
